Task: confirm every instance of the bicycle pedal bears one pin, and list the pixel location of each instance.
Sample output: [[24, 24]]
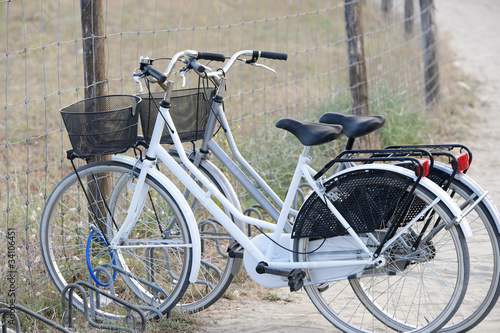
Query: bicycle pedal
[[296, 279], [322, 287], [235, 250], [235, 254]]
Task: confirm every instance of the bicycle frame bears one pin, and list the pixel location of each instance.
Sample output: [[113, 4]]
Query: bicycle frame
[[156, 151], [261, 255]]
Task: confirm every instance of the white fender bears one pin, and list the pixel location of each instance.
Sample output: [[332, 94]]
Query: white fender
[[183, 205], [470, 183], [427, 183]]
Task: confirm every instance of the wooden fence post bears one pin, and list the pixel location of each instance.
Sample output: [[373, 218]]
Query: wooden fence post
[[356, 57], [430, 51], [386, 8], [94, 48], [94, 66], [408, 16]]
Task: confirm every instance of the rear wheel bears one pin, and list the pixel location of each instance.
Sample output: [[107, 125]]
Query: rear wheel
[[484, 252], [417, 290]]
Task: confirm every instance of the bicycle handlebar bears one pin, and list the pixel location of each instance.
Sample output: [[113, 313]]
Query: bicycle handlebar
[[192, 55], [273, 55], [254, 57], [149, 70], [211, 56], [199, 68]]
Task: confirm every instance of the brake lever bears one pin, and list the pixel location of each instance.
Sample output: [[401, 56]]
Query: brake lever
[[263, 66], [137, 79], [183, 71], [183, 75]]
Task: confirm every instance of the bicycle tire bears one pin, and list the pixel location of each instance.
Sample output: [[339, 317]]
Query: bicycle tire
[[217, 269], [65, 226], [384, 299], [484, 281], [484, 252]]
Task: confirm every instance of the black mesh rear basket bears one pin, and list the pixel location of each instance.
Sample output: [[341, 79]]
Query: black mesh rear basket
[[102, 125], [189, 110], [439, 177], [367, 199]]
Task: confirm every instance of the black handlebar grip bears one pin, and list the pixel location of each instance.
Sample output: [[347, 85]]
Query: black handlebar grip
[[196, 66], [273, 55], [211, 56], [156, 74]]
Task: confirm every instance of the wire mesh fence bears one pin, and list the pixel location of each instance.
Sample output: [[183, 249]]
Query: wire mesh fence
[[42, 70]]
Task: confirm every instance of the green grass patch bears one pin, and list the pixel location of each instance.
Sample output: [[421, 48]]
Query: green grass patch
[[271, 297], [404, 123]]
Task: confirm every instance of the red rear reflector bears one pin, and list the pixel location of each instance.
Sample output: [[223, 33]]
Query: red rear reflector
[[463, 161], [425, 166]]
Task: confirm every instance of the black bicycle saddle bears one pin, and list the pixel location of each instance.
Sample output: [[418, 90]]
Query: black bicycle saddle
[[310, 134], [355, 126]]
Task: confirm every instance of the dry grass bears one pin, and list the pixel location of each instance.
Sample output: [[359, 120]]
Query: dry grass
[[458, 99]]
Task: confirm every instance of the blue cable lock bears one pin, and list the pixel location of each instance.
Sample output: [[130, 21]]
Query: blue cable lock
[[87, 257]]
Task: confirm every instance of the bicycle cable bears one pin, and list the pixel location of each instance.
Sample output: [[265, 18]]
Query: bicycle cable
[[211, 108], [151, 97], [162, 58], [289, 250]]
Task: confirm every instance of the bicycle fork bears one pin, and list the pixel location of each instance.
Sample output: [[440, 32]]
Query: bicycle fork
[[136, 205]]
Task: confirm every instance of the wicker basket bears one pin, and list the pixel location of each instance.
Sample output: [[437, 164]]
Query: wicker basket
[[189, 110], [102, 125]]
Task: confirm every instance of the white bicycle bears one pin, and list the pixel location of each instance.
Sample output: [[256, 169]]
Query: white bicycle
[[359, 226]]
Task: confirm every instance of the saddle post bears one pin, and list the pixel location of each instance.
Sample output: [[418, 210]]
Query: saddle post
[[349, 144]]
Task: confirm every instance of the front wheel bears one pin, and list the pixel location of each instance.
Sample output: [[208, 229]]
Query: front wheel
[[155, 259], [415, 290]]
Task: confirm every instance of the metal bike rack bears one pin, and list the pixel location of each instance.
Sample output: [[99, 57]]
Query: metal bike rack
[[95, 294], [154, 287], [7, 311], [90, 310], [254, 209], [90, 313]]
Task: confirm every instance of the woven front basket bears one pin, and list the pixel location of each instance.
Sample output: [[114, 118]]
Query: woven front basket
[[189, 110], [102, 125]]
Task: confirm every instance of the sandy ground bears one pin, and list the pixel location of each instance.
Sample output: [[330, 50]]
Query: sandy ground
[[473, 26]]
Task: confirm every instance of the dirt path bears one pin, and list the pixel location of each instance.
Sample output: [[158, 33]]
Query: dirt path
[[473, 26]]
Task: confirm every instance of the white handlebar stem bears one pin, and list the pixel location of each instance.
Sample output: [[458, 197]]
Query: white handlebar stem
[[194, 54], [172, 62], [235, 57]]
